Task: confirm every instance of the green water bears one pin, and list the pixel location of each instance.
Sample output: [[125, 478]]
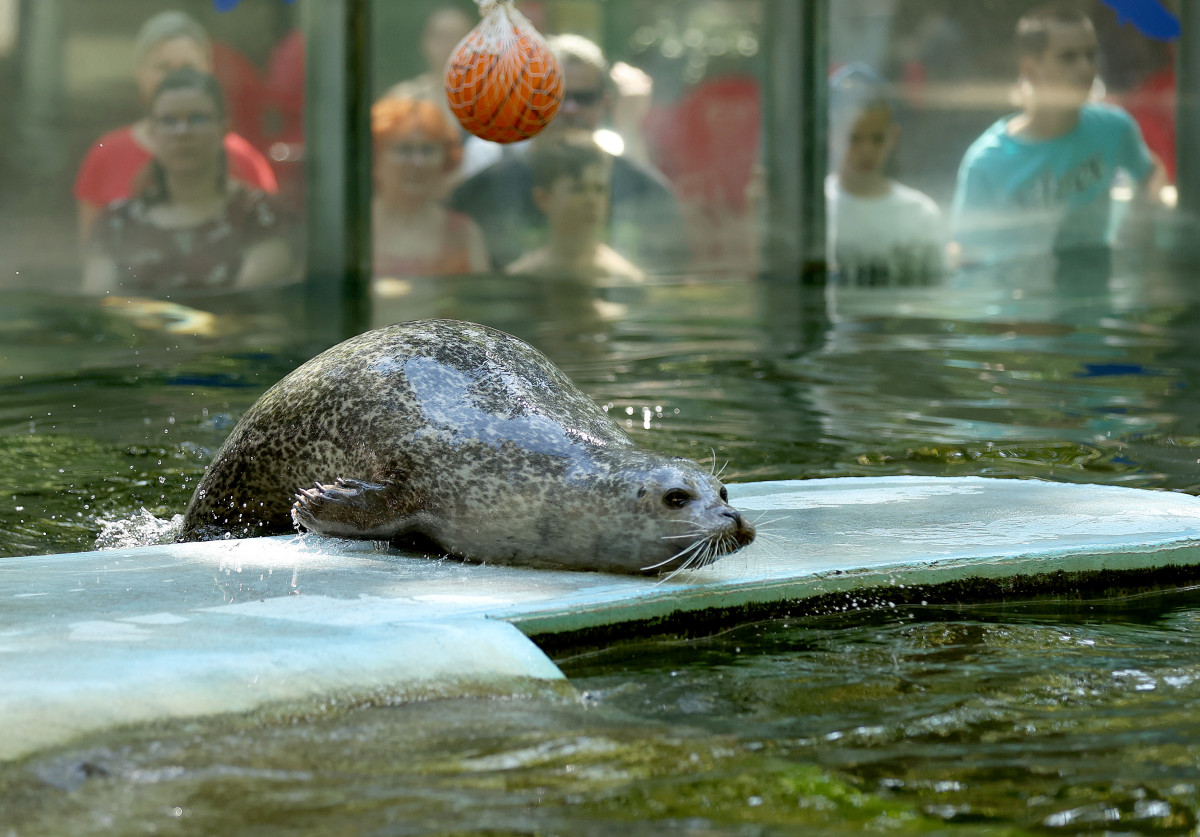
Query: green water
[[1057, 716]]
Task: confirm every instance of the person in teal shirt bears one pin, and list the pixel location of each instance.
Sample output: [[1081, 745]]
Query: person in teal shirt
[[1039, 182]]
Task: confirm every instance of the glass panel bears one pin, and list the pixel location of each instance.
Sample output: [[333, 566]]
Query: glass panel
[[137, 130], [179, 190], [660, 122], [1059, 140], [1039, 143]]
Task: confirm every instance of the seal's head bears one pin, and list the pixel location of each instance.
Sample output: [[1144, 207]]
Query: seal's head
[[690, 509], [659, 515]]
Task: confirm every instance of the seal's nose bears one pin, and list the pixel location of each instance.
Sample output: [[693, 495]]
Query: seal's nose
[[743, 532]]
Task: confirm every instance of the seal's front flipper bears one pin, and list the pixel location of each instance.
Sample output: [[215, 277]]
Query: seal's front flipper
[[354, 509]]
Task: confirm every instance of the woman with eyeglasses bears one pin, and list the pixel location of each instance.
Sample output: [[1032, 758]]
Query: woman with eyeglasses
[[191, 227], [114, 165], [416, 150]]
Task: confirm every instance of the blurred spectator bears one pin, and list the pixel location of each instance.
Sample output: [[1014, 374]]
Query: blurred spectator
[[444, 28], [416, 148], [192, 226], [1039, 182], [571, 187], [646, 226], [707, 144], [881, 232], [111, 169]]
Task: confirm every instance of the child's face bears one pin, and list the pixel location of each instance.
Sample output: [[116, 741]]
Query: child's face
[[869, 143], [1063, 74], [577, 201]]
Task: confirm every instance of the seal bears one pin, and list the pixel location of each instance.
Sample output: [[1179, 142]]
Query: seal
[[459, 436]]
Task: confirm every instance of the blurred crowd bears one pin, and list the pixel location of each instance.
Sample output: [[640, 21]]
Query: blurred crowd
[[180, 199], [613, 188]]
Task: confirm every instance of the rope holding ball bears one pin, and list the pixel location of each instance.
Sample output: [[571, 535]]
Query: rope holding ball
[[502, 82]]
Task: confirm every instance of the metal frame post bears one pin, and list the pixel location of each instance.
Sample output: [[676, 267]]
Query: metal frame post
[[338, 166], [794, 133]]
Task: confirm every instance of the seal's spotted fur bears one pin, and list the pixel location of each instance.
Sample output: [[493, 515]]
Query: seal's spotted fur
[[466, 436]]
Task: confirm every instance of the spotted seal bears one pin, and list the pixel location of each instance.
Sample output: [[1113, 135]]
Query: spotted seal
[[462, 435]]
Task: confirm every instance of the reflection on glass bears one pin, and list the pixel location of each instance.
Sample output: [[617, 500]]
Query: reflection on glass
[[1054, 213], [669, 91]]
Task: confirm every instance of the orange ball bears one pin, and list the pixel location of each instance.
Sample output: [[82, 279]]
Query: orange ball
[[504, 91]]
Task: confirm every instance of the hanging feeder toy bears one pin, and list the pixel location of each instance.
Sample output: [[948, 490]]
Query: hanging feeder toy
[[502, 81]]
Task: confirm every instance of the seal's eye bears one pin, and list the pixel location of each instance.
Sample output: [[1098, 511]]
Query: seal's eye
[[676, 498], [724, 495]]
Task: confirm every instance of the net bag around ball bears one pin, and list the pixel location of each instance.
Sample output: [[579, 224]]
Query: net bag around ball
[[502, 82]]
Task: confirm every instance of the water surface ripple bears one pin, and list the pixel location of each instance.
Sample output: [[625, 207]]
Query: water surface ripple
[[1053, 716]]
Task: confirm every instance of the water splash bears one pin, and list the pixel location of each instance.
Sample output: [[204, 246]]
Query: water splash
[[140, 529]]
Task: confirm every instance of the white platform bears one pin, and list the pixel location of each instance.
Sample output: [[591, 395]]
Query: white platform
[[93, 640]]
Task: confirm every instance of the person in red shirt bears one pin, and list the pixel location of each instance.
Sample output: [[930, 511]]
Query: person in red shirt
[[115, 165], [190, 227]]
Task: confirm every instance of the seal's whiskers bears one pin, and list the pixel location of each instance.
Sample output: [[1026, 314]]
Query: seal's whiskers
[[760, 522], [705, 556], [681, 552], [695, 531], [698, 555], [678, 537]]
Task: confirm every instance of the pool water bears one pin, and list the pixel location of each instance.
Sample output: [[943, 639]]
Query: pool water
[[1056, 715]]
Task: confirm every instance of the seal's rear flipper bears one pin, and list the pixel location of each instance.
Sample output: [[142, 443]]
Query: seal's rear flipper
[[354, 509]]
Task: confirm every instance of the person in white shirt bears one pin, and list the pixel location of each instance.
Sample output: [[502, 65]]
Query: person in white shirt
[[880, 232]]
